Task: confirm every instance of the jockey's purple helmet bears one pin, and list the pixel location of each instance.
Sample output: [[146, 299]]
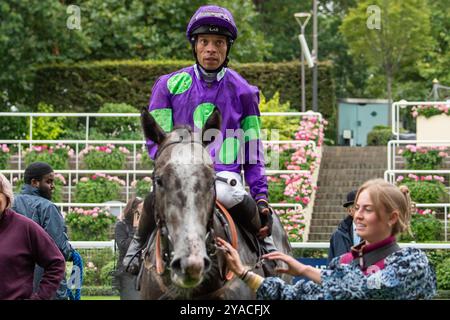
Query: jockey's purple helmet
[[213, 20]]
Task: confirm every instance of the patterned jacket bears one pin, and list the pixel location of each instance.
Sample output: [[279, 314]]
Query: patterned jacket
[[406, 275]]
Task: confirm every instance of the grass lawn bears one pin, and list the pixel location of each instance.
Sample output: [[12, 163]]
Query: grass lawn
[[100, 297]]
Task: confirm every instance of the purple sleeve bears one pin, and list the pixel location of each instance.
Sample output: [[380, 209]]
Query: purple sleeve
[[48, 256], [254, 165], [159, 100]]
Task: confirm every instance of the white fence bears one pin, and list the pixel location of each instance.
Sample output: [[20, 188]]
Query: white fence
[[295, 245], [32, 115]]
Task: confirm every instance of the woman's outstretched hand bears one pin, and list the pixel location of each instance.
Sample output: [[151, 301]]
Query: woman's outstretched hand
[[232, 256], [294, 268]]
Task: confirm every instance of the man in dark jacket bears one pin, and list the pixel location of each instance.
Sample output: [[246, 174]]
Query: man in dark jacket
[[344, 237], [34, 202]]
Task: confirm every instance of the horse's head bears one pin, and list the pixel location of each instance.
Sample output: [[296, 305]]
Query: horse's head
[[184, 181]]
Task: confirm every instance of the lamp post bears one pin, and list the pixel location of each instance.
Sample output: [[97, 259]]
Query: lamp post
[[299, 16]]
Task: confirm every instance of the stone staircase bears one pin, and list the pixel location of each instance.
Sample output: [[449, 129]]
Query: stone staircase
[[342, 169]]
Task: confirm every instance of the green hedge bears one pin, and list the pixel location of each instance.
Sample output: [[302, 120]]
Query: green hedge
[[85, 87]]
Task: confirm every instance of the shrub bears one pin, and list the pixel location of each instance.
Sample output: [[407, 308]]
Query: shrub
[[47, 128], [142, 186], [98, 188], [99, 291], [276, 189], [443, 275], [424, 189], [107, 157], [423, 158], [94, 260], [4, 156], [57, 157], [106, 273], [118, 127], [429, 111], [60, 182], [424, 227], [89, 225], [379, 136], [285, 127], [144, 159]]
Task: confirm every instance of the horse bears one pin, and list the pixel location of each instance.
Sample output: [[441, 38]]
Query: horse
[[181, 260]]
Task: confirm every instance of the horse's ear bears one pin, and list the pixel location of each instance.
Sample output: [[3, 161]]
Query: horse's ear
[[151, 128], [211, 127]]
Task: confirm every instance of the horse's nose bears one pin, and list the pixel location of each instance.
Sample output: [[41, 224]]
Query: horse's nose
[[192, 266]]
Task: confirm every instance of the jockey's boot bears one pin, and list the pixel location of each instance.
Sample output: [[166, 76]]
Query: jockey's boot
[[147, 224], [245, 213]]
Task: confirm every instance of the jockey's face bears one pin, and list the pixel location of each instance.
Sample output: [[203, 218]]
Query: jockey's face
[[211, 50]]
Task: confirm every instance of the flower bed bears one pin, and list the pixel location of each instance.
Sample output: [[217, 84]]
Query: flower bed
[[142, 187], [57, 156], [293, 222], [430, 110], [98, 188], [424, 189], [423, 158], [107, 157], [89, 224], [296, 188], [4, 156]]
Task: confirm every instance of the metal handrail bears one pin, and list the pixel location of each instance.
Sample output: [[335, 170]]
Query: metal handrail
[[295, 245], [88, 115]]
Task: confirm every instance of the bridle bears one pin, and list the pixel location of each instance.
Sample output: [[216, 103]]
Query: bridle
[[164, 250]]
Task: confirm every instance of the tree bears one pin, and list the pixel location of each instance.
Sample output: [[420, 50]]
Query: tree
[[402, 40]]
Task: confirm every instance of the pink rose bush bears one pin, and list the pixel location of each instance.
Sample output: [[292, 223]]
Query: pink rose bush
[[108, 157], [297, 188], [89, 224], [142, 186], [423, 158], [57, 156], [429, 110], [98, 188]]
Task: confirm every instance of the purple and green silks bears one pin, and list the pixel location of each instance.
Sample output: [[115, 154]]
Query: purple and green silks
[[184, 98]]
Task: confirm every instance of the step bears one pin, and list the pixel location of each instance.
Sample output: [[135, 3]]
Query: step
[[327, 209], [319, 237], [325, 222], [322, 229], [334, 215]]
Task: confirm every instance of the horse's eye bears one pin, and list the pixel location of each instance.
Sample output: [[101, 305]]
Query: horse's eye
[[159, 181]]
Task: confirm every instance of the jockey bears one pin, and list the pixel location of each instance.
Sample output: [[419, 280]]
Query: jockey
[[190, 95]]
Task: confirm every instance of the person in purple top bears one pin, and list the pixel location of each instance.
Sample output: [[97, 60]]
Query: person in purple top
[[23, 244], [190, 95]]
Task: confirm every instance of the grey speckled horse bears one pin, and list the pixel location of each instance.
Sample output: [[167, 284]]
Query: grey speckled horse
[[181, 260]]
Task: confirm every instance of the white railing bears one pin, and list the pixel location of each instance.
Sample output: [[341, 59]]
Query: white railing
[[133, 154], [295, 245], [394, 144], [32, 115], [395, 112]]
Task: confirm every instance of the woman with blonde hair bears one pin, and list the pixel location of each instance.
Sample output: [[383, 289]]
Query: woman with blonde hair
[[377, 268], [23, 244]]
